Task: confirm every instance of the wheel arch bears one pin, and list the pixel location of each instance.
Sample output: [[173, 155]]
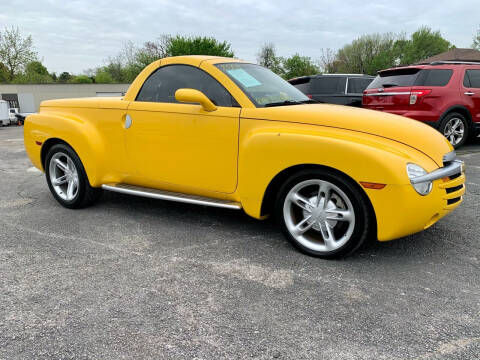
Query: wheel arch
[[275, 184], [47, 145], [459, 109]]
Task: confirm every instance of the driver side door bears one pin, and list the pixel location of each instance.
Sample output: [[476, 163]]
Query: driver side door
[[181, 146]]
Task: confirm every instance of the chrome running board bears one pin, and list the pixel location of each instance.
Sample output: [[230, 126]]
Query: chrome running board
[[171, 196]]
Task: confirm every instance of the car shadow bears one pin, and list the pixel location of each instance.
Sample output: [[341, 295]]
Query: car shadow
[[266, 233]]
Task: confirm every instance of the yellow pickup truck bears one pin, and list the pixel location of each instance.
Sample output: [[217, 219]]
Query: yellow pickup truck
[[227, 133]]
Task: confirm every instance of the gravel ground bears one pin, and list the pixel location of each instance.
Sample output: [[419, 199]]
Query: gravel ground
[[139, 278]]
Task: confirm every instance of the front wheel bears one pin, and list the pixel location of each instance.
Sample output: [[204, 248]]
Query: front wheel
[[67, 179], [324, 214]]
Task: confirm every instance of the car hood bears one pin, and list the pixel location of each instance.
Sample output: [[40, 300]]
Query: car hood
[[397, 128]]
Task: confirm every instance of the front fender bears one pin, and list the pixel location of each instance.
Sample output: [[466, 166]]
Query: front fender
[[77, 132], [269, 147]]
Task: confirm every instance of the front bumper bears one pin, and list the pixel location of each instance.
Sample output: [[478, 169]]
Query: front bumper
[[401, 211], [452, 168]]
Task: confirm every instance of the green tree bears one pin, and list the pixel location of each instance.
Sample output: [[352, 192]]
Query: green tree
[[268, 58], [368, 54], [103, 77], [116, 70], [198, 45], [476, 41], [36, 67], [299, 66], [81, 79], [64, 77], [35, 73], [3, 73], [424, 43], [131, 60], [16, 51]]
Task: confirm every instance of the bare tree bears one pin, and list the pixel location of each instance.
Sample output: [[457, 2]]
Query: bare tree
[[267, 57], [328, 61], [16, 51], [476, 41], [159, 47]]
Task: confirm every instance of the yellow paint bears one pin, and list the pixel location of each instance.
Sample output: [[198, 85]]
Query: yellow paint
[[234, 153]]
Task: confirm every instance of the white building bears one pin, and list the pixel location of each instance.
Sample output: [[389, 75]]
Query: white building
[[27, 97]]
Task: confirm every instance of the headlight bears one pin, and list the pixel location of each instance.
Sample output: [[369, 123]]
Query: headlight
[[413, 171]]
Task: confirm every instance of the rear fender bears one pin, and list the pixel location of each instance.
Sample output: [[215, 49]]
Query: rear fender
[[78, 133]]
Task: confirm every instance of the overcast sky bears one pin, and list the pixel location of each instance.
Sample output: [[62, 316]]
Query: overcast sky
[[74, 35]]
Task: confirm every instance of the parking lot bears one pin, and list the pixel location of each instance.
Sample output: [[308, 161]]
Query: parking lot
[[139, 278]]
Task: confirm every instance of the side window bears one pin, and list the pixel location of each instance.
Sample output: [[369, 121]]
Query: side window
[[472, 79], [434, 77], [328, 85], [466, 80], [163, 83], [357, 85]]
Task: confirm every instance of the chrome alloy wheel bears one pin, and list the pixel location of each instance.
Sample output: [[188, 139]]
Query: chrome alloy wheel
[[64, 176], [454, 131], [319, 215]]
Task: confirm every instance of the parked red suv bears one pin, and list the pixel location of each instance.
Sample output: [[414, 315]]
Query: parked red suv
[[445, 95]]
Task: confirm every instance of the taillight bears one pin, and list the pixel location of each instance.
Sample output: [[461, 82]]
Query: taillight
[[309, 96], [417, 94]]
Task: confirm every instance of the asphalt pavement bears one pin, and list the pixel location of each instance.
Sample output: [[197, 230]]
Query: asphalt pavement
[[135, 278]]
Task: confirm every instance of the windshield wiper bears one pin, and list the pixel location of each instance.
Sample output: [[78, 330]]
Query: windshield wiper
[[282, 103], [310, 101]]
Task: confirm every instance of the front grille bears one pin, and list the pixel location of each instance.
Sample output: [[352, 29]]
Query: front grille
[[453, 201], [453, 189], [453, 185]]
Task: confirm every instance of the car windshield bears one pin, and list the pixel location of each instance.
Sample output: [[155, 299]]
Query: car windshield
[[262, 86]]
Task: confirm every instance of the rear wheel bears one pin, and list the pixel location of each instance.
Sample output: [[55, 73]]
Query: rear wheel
[[67, 179], [455, 128], [324, 214]]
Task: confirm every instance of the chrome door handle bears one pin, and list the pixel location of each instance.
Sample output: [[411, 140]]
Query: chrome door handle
[[128, 121], [469, 93]]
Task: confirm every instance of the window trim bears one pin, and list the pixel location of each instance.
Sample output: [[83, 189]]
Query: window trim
[[236, 105]]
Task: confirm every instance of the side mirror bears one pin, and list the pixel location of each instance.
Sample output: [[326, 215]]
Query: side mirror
[[195, 96]]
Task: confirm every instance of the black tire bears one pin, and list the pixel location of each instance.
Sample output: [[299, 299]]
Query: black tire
[[364, 223], [447, 120], [85, 195]]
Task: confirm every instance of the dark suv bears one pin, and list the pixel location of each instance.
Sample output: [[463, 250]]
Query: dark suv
[[444, 94], [343, 89]]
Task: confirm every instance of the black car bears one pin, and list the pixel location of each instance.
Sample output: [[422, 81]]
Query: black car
[[343, 89]]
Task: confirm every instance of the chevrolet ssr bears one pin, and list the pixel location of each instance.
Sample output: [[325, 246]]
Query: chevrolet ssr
[[223, 132]]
